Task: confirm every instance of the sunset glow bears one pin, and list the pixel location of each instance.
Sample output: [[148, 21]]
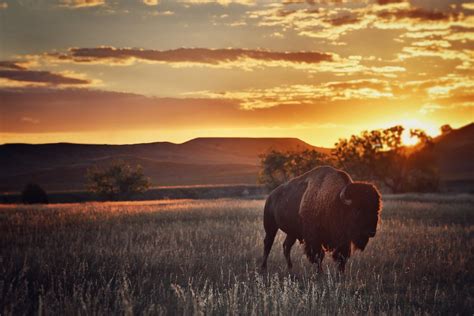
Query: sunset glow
[[143, 71]]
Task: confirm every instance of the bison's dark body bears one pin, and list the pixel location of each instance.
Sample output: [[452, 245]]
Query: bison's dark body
[[313, 208]]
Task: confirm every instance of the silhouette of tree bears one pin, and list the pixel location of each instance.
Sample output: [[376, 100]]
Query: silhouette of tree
[[119, 181], [446, 129], [33, 194], [380, 155]]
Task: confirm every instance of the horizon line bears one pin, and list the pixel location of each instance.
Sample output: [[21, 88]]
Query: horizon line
[[157, 142]]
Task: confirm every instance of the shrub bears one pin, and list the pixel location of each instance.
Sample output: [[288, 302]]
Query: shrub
[[33, 194]]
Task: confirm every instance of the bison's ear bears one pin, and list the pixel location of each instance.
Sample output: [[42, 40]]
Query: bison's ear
[[344, 196]]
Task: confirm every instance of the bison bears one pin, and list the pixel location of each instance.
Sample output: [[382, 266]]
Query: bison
[[326, 211]]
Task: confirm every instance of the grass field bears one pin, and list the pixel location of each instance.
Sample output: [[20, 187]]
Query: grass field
[[201, 257]]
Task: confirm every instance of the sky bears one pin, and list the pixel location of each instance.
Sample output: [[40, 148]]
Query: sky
[[102, 71]]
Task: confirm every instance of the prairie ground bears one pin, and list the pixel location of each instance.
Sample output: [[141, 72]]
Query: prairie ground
[[202, 257]]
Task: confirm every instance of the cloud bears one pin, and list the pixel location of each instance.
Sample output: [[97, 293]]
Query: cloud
[[388, 69], [219, 2], [468, 5], [27, 119], [323, 22], [448, 86], [151, 2], [444, 88], [411, 13], [8, 64], [162, 13], [420, 22], [332, 22], [57, 111], [430, 107], [107, 110], [384, 2], [81, 3], [343, 20], [434, 107], [13, 73], [35, 76], [436, 51], [228, 57], [250, 99]]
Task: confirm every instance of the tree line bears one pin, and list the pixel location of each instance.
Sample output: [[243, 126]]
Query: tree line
[[378, 155]]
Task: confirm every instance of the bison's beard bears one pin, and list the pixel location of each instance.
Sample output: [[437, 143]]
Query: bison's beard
[[361, 242]]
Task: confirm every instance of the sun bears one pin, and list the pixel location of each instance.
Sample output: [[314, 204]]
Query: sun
[[430, 128], [407, 139]]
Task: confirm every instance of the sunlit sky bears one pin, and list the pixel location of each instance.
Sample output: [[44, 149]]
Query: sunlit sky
[[100, 71]]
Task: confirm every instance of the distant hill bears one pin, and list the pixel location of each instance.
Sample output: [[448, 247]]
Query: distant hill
[[455, 154], [62, 166]]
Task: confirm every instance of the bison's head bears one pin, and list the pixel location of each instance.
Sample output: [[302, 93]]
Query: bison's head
[[363, 202]]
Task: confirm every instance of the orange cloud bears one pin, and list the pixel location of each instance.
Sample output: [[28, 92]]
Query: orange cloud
[[251, 99], [411, 13], [55, 110], [436, 51], [228, 57], [81, 3], [468, 5], [332, 22], [220, 2], [8, 64], [151, 2], [16, 74], [323, 22], [451, 88], [384, 2]]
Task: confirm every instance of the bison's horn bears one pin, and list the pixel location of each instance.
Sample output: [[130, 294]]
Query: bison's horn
[[343, 198]]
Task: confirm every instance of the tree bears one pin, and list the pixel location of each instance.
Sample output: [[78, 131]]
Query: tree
[[423, 174], [381, 156], [278, 167], [446, 129], [33, 194], [118, 181]]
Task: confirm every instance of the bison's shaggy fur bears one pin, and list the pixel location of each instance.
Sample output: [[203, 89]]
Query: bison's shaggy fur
[[325, 210]]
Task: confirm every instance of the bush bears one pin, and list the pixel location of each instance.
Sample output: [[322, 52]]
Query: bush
[[33, 194]]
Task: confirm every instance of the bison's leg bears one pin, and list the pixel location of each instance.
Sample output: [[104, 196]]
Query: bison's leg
[[319, 260], [268, 242], [315, 254], [341, 254], [287, 244], [270, 233]]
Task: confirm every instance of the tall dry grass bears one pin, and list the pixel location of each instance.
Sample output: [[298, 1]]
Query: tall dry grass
[[201, 257]]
